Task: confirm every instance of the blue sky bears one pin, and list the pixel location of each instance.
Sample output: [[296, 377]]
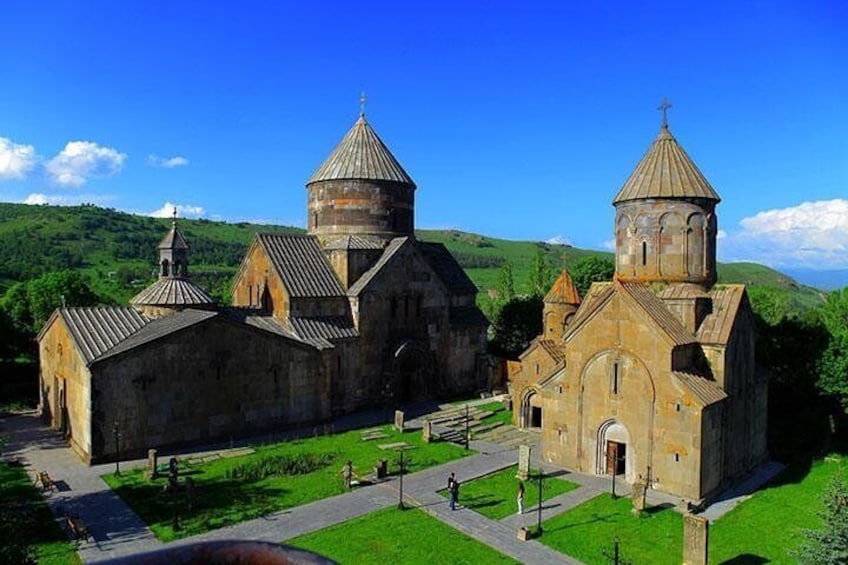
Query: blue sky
[[516, 120]]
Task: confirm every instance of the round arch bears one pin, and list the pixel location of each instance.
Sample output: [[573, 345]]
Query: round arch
[[530, 416]]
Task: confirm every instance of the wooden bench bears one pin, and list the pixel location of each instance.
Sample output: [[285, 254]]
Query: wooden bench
[[46, 482], [77, 527]]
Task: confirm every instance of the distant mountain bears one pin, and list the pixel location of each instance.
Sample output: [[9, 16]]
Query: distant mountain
[[118, 252], [825, 280]]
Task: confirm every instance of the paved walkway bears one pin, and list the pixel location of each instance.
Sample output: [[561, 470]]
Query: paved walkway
[[119, 532]]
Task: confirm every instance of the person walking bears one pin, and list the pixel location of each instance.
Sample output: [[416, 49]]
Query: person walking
[[520, 498], [347, 474], [452, 491]]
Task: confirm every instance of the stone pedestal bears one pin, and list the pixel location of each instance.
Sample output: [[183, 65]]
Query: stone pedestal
[[427, 432], [638, 494], [523, 534], [695, 539], [399, 420], [152, 463], [523, 462]]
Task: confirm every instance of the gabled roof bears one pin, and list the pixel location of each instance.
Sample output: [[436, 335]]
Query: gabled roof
[[704, 390], [447, 268], [716, 327], [321, 331], [173, 239], [158, 328], [598, 295], [98, 329], [257, 319], [666, 171], [361, 154], [554, 349], [563, 291], [682, 291], [354, 242], [658, 312], [298, 260], [172, 292], [391, 249]]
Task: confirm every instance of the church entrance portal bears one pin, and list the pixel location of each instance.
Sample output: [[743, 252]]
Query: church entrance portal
[[531, 410], [411, 367], [613, 455], [616, 457]]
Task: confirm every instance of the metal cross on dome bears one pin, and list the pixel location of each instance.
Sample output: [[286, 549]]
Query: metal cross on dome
[[664, 106], [362, 101]]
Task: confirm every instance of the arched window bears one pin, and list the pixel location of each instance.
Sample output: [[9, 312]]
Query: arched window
[[644, 253], [695, 244], [165, 268]]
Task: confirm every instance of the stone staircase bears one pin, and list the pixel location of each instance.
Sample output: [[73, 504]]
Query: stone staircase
[[449, 424]]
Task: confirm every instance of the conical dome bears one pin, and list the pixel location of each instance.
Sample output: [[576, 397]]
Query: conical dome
[[361, 155], [563, 291], [666, 171]]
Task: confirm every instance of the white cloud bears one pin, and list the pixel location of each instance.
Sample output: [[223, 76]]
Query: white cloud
[[166, 162], [183, 211], [16, 160], [811, 234], [66, 200], [721, 234], [559, 240], [81, 161], [609, 244]]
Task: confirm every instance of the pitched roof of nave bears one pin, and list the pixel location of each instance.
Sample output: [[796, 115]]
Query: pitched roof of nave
[[554, 349], [321, 331], [435, 255], [704, 390], [172, 292], [563, 291], [362, 155], [301, 265], [658, 312], [104, 331], [354, 242], [666, 171], [716, 326]]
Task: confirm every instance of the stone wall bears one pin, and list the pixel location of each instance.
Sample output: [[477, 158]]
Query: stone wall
[[365, 207], [213, 380], [257, 279]]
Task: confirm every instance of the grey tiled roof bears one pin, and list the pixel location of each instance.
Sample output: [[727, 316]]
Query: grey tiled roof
[[301, 265], [677, 291], [257, 319], [705, 391], [467, 316], [97, 330], [361, 154], [595, 298], [158, 328], [168, 291], [666, 171], [447, 268], [658, 312], [354, 242], [321, 331], [391, 249]]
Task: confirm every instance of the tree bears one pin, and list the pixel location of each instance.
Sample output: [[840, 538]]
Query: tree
[[830, 544], [590, 269], [541, 277], [833, 367], [506, 284], [516, 324]]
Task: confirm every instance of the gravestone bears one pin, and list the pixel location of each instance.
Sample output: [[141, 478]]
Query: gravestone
[[696, 531], [399, 420], [638, 493], [523, 462], [427, 432], [152, 463]]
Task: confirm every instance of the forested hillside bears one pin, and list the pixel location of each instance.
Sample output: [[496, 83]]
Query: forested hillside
[[117, 253]]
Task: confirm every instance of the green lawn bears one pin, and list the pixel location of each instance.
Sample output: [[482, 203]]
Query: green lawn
[[761, 530], [494, 496], [501, 414], [24, 516], [221, 501], [398, 537]]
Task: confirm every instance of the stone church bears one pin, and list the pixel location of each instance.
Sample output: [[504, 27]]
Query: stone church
[[651, 376], [356, 313]]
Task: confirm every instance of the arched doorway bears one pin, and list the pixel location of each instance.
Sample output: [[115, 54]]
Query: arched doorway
[[531, 409], [412, 365], [614, 454]]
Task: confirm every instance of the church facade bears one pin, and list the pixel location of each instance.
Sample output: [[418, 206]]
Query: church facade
[[356, 313], [651, 376]]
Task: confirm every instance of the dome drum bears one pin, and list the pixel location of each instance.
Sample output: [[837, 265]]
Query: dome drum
[[362, 207]]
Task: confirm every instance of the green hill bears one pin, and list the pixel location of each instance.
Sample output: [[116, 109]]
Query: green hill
[[118, 252]]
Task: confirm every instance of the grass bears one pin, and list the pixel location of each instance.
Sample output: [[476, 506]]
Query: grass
[[398, 537], [220, 501], [494, 496], [501, 414], [22, 504], [764, 529]]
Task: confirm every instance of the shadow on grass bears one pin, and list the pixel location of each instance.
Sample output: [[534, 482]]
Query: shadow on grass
[[658, 508], [746, 559], [606, 518]]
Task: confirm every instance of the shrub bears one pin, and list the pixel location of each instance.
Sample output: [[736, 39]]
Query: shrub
[[277, 465]]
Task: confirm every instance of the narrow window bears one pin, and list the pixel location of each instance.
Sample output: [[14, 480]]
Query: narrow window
[[644, 253], [678, 407], [314, 219], [250, 295], [537, 368], [615, 377], [676, 457]]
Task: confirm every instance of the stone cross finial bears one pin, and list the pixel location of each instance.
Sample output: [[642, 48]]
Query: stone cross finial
[[664, 107], [362, 101], [175, 214]]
